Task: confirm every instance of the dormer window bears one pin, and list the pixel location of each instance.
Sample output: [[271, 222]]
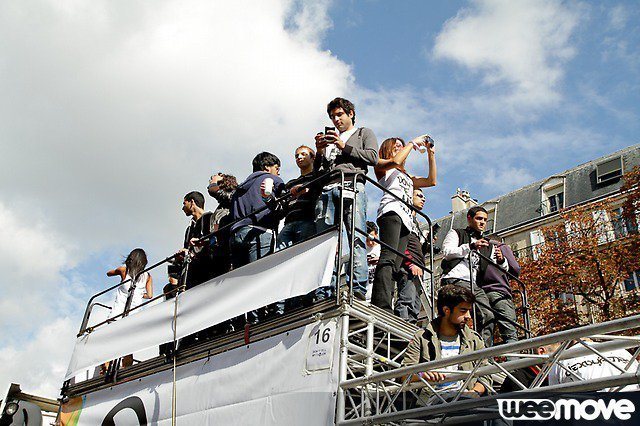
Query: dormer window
[[552, 195], [609, 170]]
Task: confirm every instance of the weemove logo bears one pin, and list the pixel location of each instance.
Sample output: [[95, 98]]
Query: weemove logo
[[565, 409]]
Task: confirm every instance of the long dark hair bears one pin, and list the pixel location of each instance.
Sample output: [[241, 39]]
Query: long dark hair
[[135, 263]]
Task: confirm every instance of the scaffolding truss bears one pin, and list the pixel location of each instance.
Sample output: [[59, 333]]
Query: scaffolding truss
[[385, 392]]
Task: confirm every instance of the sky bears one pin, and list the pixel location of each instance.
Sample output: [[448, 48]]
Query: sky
[[110, 111]]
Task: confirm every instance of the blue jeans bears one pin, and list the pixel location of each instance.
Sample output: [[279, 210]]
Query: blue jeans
[[327, 215], [295, 232], [408, 303], [249, 244]]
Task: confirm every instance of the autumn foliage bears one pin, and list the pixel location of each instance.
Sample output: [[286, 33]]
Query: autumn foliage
[[591, 249]]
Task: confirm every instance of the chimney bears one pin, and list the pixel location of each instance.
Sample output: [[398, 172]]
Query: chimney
[[462, 200]]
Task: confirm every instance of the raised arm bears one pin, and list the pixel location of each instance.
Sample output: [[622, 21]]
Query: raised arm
[[431, 179], [385, 164], [120, 271]]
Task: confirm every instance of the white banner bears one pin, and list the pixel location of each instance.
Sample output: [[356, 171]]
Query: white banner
[[263, 383], [292, 272]]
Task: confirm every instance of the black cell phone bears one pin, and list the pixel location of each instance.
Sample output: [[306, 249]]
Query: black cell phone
[[328, 129]]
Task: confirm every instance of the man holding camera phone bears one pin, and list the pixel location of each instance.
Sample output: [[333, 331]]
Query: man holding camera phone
[[350, 150], [456, 247]]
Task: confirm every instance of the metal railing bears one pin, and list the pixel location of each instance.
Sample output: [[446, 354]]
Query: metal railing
[[278, 201], [403, 393]]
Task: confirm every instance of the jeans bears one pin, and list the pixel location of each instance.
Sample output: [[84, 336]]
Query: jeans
[[408, 304], [295, 232], [503, 304], [484, 315], [396, 235], [249, 244], [327, 215]]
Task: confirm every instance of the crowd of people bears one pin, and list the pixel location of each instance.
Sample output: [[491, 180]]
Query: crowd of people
[[388, 261]]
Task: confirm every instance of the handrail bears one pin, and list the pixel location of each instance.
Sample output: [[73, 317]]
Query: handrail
[[277, 200], [87, 311], [514, 347]]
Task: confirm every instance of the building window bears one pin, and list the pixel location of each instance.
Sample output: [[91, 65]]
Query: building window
[[633, 282], [604, 228], [556, 202], [491, 221], [552, 196], [537, 239], [609, 170], [565, 298], [622, 226]]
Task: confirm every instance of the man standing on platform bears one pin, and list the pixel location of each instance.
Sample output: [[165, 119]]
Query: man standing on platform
[[200, 268], [409, 303], [350, 150], [253, 233], [496, 285], [460, 245], [299, 220]]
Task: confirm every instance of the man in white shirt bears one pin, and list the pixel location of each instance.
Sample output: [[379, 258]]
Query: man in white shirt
[[458, 246]]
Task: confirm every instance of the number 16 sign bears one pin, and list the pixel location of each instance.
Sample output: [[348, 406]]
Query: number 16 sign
[[320, 351]]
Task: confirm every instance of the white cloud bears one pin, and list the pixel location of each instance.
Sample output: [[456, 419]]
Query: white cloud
[[310, 20], [33, 259], [519, 46], [39, 365], [37, 305], [110, 113], [503, 180]]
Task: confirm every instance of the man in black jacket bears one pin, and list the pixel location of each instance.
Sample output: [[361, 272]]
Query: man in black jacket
[[201, 267], [460, 245]]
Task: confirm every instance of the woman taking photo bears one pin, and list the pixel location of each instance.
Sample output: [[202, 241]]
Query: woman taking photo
[[394, 217]]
